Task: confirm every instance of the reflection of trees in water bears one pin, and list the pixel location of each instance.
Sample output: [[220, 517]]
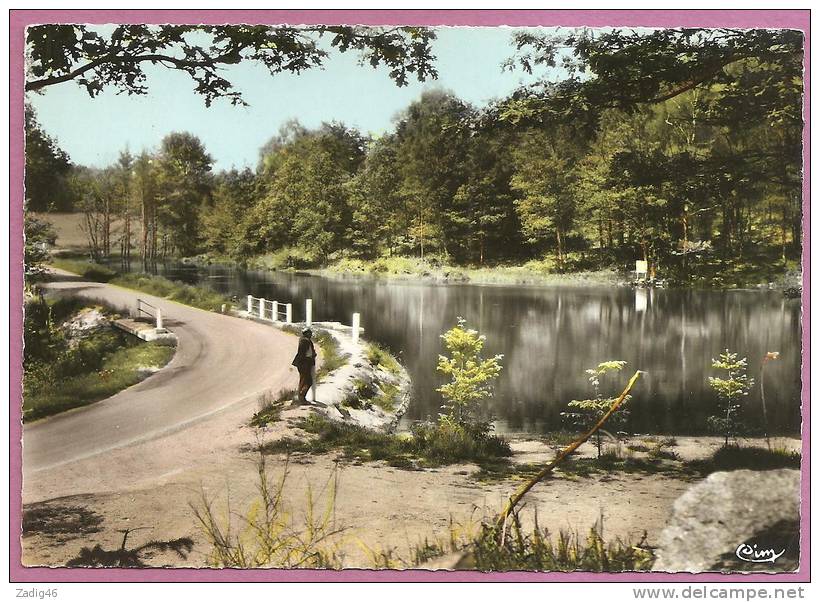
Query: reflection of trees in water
[[549, 336]]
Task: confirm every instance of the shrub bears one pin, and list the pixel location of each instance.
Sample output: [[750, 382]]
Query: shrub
[[587, 412], [471, 378], [730, 391], [447, 442]]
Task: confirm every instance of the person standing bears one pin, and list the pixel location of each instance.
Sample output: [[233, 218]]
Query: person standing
[[304, 361]]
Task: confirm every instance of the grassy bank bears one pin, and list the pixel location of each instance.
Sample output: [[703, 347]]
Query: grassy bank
[[428, 445], [159, 286], [711, 273], [61, 373]]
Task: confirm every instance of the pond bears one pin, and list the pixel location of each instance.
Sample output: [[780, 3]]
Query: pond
[[550, 335]]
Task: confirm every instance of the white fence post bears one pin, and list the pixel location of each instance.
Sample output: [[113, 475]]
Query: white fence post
[[356, 321], [275, 315], [262, 308], [309, 313], [289, 313], [250, 303], [159, 319]]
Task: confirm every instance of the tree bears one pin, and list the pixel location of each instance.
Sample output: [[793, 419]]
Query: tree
[[376, 202], [586, 413], [544, 179], [47, 169], [431, 142], [184, 187], [234, 194], [471, 377], [624, 68], [730, 391], [95, 59], [39, 235]]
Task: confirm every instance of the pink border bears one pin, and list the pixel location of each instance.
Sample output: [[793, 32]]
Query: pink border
[[19, 19]]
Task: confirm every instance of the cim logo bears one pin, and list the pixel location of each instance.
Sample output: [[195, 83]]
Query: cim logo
[[751, 553]]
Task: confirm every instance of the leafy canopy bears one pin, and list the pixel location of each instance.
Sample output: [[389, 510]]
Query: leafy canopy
[[96, 60]]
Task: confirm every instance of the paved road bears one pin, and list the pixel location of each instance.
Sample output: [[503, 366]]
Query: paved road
[[220, 360]]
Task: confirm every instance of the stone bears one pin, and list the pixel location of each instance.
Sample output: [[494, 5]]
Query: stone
[[716, 516], [85, 323]]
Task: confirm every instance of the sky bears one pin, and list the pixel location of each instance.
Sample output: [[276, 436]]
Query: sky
[[94, 130]]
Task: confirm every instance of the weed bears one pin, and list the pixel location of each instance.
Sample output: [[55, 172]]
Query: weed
[[270, 407], [267, 533]]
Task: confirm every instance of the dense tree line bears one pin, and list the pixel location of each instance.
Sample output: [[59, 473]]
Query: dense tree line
[[680, 147]]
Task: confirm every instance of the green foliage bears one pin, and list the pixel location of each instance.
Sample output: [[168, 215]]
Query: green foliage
[[538, 550], [59, 375], [268, 533], [681, 147], [366, 394], [446, 442], [270, 407], [39, 235], [430, 444], [471, 376], [195, 296], [730, 392], [95, 60], [586, 413], [47, 169], [378, 356], [89, 270], [183, 178]]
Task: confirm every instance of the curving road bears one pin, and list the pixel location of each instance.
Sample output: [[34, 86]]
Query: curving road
[[220, 360]]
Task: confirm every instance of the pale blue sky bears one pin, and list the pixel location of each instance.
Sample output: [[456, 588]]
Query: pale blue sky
[[93, 131]]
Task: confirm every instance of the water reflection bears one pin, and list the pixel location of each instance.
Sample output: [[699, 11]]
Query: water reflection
[[550, 335]]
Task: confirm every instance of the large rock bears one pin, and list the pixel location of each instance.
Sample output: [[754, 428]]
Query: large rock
[[715, 516], [85, 323]]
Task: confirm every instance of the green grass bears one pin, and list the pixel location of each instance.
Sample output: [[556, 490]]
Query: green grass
[[159, 286], [573, 467], [270, 407], [195, 296], [429, 447], [87, 269], [734, 457], [366, 394], [538, 550], [379, 356], [45, 395], [355, 443]]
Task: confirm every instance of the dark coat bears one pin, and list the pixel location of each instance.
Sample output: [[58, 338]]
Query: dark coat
[[306, 354]]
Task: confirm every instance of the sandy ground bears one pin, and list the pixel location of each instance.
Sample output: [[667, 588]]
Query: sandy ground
[[152, 487]]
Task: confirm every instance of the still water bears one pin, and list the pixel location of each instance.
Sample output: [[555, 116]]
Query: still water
[[549, 335]]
